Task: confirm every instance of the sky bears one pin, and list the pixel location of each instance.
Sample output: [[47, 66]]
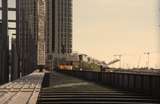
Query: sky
[[104, 28]]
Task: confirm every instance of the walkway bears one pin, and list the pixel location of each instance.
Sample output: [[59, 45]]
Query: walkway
[[69, 90], [22, 91]]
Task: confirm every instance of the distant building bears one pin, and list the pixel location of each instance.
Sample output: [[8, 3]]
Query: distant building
[[14, 61], [83, 57], [4, 45], [41, 38]]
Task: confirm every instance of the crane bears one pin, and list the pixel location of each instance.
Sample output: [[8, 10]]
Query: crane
[[105, 66]]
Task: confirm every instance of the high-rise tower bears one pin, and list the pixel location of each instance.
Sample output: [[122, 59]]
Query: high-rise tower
[[57, 32], [59, 35], [26, 36]]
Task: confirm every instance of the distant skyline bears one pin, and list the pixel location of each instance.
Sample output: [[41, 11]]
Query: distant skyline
[[103, 28]]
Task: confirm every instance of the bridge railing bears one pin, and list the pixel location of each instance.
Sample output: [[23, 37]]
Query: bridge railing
[[139, 82]]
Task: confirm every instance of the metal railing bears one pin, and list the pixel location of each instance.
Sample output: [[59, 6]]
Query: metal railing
[[146, 83]]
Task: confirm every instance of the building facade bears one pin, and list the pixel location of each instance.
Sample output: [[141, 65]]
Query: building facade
[[4, 44], [26, 35], [57, 32], [42, 19], [14, 61], [59, 35]]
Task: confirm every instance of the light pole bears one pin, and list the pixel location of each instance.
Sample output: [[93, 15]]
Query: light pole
[[139, 61], [148, 59]]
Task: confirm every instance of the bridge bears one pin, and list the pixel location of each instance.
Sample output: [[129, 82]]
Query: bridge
[[77, 87]]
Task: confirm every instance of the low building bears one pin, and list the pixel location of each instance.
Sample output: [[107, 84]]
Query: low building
[[83, 57]]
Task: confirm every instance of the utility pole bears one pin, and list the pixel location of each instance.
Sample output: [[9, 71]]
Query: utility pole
[[139, 61], [148, 60], [119, 57]]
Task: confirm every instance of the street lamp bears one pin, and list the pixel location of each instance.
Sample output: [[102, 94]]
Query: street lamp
[[148, 60]]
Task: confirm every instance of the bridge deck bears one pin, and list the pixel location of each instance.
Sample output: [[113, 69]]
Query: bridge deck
[[70, 90], [22, 91]]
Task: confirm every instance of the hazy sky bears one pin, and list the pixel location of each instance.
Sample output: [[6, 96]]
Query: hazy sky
[[103, 28]]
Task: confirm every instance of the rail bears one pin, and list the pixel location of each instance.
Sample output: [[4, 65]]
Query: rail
[[149, 84]]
